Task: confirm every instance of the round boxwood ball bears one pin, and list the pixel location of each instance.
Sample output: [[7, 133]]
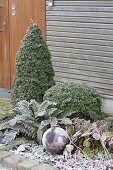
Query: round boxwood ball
[[55, 139]]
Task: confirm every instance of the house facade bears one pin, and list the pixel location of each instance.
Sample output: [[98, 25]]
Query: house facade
[[79, 34], [80, 37]]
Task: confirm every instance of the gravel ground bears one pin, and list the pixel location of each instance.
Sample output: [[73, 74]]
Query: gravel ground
[[4, 168], [58, 161]]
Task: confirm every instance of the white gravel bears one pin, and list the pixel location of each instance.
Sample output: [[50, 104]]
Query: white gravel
[[4, 168], [58, 161]]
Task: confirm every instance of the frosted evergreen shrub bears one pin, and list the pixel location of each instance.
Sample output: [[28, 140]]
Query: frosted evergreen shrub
[[80, 98], [34, 72]]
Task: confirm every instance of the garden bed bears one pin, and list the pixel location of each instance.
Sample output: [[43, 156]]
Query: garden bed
[[35, 153], [10, 161], [31, 151], [65, 118]]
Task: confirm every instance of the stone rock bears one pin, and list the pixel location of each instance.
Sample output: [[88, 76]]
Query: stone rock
[[21, 148]]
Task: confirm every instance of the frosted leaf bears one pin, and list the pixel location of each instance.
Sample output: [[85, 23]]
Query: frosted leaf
[[111, 144], [94, 125], [103, 137], [9, 136], [40, 113], [96, 136], [69, 148], [87, 133], [86, 143]]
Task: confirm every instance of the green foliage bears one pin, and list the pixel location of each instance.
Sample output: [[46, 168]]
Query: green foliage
[[109, 121], [34, 73], [31, 120], [90, 138], [14, 144], [80, 98], [5, 108]]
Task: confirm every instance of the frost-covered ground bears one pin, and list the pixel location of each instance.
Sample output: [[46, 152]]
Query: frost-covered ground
[[58, 161], [4, 168]]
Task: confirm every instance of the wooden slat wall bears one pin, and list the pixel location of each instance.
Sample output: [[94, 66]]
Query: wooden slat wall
[[80, 37]]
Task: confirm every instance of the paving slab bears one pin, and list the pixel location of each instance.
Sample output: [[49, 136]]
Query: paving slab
[[12, 161], [43, 166], [27, 164], [3, 154], [5, 93]]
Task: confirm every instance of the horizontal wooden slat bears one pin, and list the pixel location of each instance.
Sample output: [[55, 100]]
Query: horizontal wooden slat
[[107, 49], [87, 78], [81, 8], [80, 41], [80, 51], [82, 57], [80, 35], [85, 62], [80, 19], [107, 3], [83, 72], [80, 14], [80, 24], [83, 67], [79, 30]]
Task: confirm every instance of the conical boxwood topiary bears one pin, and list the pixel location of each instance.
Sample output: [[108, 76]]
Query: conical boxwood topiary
[[34, 72]]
